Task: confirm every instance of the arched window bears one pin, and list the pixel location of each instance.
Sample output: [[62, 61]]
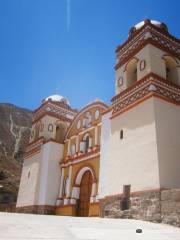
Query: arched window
[[60, 132], [86, 143], [171, 69], [131, 71], [86, 140]]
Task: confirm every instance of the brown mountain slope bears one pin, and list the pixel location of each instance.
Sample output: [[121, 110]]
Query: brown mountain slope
[[15, 124]]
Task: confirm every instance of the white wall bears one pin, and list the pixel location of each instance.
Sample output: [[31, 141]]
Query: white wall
[[42, 187], [132, 160], [50, 173], [28, 186], [105, 137], [168, 142]]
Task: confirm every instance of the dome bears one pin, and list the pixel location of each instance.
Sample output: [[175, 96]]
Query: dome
[[57, 98], [154, 22], [139, 25]]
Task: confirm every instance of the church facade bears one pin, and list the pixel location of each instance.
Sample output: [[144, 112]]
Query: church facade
[[115, 160]]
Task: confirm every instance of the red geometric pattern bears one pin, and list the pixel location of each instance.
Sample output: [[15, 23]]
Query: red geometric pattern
[[152, 83]]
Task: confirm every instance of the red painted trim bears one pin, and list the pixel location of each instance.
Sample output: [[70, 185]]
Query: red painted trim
[[70, 159], [133, 105], [142, 45], [52, 115], [154, 75], [92, 105], [53, 140], [141, 30], [59, 104], [40, 138]]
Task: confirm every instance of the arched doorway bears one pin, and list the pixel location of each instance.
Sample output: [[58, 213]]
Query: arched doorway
[[85, 194]]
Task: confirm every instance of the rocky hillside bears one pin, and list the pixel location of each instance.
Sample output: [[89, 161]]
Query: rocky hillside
[[15, 124]]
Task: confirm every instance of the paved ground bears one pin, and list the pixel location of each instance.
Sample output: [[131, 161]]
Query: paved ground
[[27, 226]]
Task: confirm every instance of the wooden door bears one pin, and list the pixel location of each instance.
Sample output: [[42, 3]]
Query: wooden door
[[85, 194]]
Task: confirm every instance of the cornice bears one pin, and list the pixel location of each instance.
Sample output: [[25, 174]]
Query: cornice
[[151, 85], [147, 35]]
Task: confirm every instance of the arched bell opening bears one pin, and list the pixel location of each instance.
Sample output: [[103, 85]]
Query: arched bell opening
[[61, 129], [131, 71], [171, 69]]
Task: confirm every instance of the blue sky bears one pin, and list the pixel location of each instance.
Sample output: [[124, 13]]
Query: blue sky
[[67, 47]]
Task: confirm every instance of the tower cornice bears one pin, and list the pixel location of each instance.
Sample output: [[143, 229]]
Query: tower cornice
[[150, 85], [148, 34]]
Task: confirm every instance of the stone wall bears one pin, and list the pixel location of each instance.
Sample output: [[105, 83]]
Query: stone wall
[[156, 206], [170, 207], [37, 209], [6, 207], [142, 205]]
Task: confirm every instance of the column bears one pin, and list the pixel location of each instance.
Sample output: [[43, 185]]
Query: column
[[77, 143], [93, 193], [59, 200], [67, 200]]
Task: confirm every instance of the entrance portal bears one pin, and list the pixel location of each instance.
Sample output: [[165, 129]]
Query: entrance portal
[[85, 194]]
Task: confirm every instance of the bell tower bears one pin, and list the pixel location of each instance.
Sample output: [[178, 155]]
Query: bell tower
[[149, 49], [40, 179], [143, 125]]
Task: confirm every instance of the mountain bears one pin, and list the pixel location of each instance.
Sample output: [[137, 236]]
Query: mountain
[[15, 126]]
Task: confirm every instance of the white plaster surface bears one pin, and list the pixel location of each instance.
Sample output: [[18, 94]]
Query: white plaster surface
[[134, 159], [26, 226]]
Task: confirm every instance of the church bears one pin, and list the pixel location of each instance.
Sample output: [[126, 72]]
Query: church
[[115, 160]]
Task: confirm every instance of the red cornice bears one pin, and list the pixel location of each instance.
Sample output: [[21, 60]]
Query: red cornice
[[53, 140], [79, 156], [37, 140], [141, 91], [142, 45], [93, 104], [147, 23], [60, 104], [140, 81], [52, 115]]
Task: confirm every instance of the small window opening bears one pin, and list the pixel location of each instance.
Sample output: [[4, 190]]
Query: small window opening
[[121, 134], [29, 174]]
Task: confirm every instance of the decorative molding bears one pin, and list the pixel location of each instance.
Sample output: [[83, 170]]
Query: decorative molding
[[94, 150], [94, 157], [150, 85], [83, 110], [148, 34]]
